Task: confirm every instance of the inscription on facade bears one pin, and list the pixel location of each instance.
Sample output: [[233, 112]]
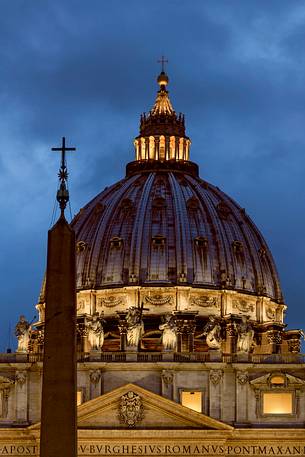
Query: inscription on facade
[[151, 449], [19, 449]]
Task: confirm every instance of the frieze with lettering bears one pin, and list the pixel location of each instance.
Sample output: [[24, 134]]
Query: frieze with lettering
[[205, 449], [174, 449]]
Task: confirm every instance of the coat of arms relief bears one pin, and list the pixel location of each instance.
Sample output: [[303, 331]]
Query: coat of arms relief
[[131, 410]]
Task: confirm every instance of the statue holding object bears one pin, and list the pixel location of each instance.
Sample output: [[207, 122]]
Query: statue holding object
[[95, 332], [245, 335], [212, 330], [135, 325], [22, 332], [169, 336]]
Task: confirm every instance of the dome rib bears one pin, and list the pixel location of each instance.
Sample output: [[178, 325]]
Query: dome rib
[[219, 235], [95, 255], [137, 235], [214, 234], [251, 253], [180, 229], [104, 234]]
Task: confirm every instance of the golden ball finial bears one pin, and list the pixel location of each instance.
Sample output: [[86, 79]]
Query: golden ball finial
[[162, 79]]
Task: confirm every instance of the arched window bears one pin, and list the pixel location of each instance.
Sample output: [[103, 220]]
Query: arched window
[[162, 148]]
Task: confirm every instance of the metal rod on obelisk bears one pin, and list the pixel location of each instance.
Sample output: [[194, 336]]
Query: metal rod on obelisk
[[58, 435]]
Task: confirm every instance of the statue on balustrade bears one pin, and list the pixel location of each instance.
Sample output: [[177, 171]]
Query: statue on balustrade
[[212, 330], [135, 326], [169, 335], [245, 335], [22, 331], [95, 332]]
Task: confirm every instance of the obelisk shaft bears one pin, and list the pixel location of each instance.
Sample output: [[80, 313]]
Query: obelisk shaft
[[58, 413]]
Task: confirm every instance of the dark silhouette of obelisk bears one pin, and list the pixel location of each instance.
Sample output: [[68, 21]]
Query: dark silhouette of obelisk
[[58, 412]]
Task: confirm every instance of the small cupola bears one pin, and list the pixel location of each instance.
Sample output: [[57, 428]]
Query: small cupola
[[162, 132]]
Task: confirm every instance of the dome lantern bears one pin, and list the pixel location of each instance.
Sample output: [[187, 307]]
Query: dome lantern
[[162, 132]]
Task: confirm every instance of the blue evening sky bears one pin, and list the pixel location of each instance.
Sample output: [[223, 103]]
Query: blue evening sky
[[87, 69]]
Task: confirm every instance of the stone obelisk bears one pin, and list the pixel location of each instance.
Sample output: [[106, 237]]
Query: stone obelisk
[[58, 436]]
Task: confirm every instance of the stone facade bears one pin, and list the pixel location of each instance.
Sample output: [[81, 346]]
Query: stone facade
[[154, 425], [231, 392]]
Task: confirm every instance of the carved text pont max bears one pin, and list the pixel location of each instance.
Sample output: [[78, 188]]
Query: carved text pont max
[[152, 449]]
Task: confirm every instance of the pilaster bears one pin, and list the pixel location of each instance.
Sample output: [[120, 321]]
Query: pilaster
[[215, 381], [167, 379], [21, 394], [95, 383], [228, 397], [242, 379]]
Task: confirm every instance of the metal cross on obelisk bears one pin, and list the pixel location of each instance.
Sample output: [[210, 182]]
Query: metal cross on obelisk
[[162, 61], [63, 193]]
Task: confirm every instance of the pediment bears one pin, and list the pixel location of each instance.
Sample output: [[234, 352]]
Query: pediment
[[144, 410], [261, 380], [288, 381], [157, 411]]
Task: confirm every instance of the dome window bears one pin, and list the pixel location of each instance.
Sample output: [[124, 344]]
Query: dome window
[[172, 147], [133, 278], [159, 202], [261, 289], [99, 208], [81, 246], [182, 277], [183, 182], [162, 147], [223, 210], [116, 242], [126, 204], [192, 203], [201, 242], [238, 247], [158, 241]]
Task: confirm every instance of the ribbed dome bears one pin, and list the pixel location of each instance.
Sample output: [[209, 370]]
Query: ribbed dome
[[163, 225], [168, 262]]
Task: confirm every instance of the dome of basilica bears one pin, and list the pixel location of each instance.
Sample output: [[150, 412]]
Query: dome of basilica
[[163, 253], [164, 226]]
